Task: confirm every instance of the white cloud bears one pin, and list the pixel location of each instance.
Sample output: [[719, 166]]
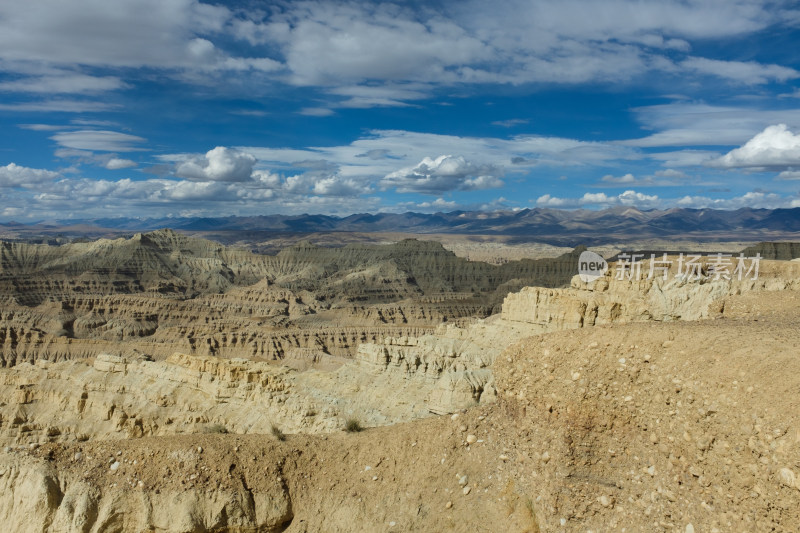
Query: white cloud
[[66, 83], [774, 148], [59, 106], [266, 179], [324, 183], [13, 175], [755, 200], [116, 163], [98, 140], [789, 175], [396, 151], [335, 44], [670, 173], [750, 72], [317, 112], [627, 198], [445, 173], [692, 124], [218, 164], [621, 180], [12, 212], [367, 54], [145, 33], [390, 95], [510, 123]]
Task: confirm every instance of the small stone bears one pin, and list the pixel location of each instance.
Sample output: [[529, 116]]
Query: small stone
[[472, 439], [77, 457], [367, 468], [374, 478], [463, 481], [689, 528], [454, 417], [462, 428], [576, 376], [788, 477], [448, 505], [628, 398], [563, 522], [605, 501], [504, 458], [651, 470], [115, 466], [545, 457], [392, 524], [654, 438], [466, 490], [199, 449]]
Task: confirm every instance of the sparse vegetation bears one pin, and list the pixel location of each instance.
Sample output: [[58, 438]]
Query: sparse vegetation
[[277, 433], [352, 425], [216, 428]]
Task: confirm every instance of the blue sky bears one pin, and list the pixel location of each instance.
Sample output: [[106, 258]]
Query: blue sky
[[153, 108]]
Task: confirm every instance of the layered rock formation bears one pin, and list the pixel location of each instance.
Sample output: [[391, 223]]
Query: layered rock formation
[[647, 425], [163, 292]]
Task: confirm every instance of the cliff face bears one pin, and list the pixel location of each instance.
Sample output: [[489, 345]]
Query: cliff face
[[774, 250]]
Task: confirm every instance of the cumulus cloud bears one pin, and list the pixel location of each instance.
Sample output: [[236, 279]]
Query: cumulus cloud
[[774, 148], [324, 183], [628, 198], [218, 164], [753, 199], [13, 175], [445, 173]]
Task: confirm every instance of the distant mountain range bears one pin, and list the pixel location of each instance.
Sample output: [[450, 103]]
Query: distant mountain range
[[552, 226]]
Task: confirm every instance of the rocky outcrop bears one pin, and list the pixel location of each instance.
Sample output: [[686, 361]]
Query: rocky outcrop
[[459, 360]]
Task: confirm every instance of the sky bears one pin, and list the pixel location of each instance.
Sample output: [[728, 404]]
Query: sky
[[170, 108]]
